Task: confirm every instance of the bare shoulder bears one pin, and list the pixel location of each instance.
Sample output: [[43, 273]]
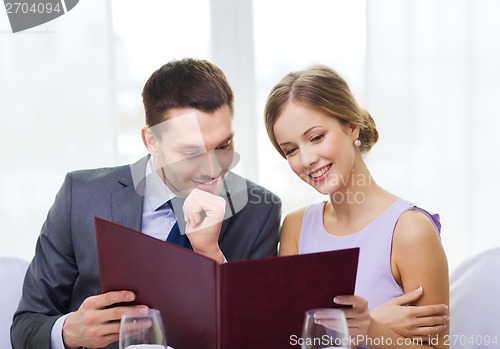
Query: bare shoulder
[[295, 216], [414, 226], [290, 232], [418, 257]]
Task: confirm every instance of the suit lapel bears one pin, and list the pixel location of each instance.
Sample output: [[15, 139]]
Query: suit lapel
[[225, 224], [236, 196], [127, 200]]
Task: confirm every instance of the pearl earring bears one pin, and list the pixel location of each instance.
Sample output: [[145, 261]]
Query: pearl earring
[[357, 143]]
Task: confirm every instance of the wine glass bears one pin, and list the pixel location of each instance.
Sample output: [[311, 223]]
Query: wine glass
[[142, 331], [325, 328]]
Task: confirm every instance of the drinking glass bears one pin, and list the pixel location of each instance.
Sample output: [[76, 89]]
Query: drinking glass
[[325, 328], [142, 331]]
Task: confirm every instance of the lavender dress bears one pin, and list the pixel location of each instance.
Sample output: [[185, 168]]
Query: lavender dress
[[374, 280]]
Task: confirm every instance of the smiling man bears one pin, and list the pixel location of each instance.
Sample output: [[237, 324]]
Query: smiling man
[[192, 148], [183, 192]]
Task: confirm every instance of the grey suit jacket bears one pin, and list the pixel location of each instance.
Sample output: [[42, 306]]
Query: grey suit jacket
[[64, 271]]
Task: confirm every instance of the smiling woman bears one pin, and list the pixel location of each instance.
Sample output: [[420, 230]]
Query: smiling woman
[[316, 124]]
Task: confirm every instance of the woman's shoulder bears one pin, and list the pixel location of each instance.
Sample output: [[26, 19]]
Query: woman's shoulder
[[411, 216], [297, 215], [417, 216], [291, 229], [290, 233], [416, 225]]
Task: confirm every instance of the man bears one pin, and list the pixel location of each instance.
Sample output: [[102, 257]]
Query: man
[[189, 106]]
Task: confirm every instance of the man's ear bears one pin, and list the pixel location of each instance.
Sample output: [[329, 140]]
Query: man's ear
[[150, 141]]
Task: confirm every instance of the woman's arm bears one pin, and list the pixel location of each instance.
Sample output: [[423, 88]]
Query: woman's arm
[[418, 260], [290, 233]]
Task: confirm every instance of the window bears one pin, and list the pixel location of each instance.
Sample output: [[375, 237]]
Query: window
[[146, 36]]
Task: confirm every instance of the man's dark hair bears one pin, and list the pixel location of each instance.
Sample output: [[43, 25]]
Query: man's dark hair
[[186, 83]]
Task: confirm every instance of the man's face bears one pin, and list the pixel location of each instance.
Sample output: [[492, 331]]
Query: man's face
[[194, 149]]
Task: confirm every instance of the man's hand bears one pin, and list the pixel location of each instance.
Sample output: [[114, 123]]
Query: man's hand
[[93, 325], [204, 213], [412, 321]]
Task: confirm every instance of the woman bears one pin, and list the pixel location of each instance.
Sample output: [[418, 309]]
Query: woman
[[313, 121]]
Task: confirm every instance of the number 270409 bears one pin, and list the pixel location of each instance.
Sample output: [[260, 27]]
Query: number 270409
[[25, 8], [460, 339]]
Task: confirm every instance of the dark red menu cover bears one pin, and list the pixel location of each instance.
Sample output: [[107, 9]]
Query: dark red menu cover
[[257, 303]]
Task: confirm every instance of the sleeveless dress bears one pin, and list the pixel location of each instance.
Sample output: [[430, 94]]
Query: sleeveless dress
[[374, 280]]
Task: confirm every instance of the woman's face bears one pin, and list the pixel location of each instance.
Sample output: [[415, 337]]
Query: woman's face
[[319, 149]]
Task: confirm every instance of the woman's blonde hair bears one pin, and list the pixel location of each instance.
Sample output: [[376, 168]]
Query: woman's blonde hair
[[322, 88]]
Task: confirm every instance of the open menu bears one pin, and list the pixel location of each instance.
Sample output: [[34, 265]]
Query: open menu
[[257, 303]]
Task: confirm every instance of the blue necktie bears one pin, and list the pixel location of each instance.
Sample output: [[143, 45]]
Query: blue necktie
[[175, 235]]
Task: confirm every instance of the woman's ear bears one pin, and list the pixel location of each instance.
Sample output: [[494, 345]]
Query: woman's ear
[[150, 141], [354, 131]]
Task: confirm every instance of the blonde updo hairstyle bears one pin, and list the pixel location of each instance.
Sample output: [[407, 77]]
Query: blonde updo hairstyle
[[321, 88]]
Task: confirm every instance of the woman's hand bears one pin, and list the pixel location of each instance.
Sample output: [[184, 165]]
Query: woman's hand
[[358, 317], [412, 321]]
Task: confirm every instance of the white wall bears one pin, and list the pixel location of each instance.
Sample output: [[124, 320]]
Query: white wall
[[56, 114], [433, 87]]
